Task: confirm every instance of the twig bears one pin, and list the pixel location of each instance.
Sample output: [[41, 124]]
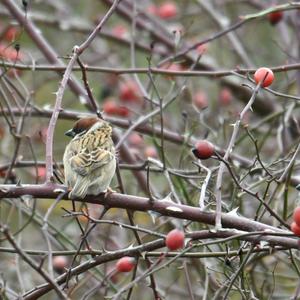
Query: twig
[[36, 267], [290, 165], [227, 153], [145, 118], [253, 194], [188, 280], [88, 89], [204, 184], [41, 42], [155, 70], [134, 282], [77, 51], [236, 274], [46, 233], [57, 108]]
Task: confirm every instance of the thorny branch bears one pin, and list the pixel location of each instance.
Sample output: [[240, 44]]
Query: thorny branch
[[256, 167]]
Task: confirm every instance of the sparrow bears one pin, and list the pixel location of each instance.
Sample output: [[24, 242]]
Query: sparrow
[[89, 159]]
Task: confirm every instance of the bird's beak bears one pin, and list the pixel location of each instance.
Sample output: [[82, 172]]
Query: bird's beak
[[70, 133]]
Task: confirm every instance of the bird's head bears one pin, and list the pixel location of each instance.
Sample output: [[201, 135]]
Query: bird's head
[[85, 125]]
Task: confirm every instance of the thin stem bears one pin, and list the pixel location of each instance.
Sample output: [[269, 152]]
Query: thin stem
[[227, 153]]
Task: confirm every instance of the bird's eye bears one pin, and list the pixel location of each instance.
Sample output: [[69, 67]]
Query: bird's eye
[[79, 131]]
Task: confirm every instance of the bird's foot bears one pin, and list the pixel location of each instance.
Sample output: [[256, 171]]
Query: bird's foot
[[109, 191]]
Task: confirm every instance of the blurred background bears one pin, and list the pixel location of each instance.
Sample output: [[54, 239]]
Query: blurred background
[[127, 71]]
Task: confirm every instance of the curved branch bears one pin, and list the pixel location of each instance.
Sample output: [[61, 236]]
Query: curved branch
[[163, 207]]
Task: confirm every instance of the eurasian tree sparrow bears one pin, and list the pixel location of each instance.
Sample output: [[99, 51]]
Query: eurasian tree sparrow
[[89, 159]]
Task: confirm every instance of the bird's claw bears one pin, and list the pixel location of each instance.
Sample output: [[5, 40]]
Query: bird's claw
[[109, 191]]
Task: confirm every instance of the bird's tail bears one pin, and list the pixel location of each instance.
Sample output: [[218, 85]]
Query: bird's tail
[[80, 188]]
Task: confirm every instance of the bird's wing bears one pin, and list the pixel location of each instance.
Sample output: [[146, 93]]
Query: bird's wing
[[87, 161]]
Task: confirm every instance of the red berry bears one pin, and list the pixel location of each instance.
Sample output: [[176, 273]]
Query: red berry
[[200, 100], [41, 173], [110, 107], [9, 53], [152, 9], [59, 263], [120, 31], [125, 264], [171, 67], [123, 111], [225, 96], [2, 173], [130, 92], [11, 34], [135, 139], [150, 151], [203, 149], [175, 239], [12, 174], [295, 228], [167, 10], [202, 48], [275, 17], [296, 215], [261, 73]]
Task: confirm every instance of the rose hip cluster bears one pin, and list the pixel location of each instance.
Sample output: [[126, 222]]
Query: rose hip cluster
[[129, 95], [174, 241], [167, 10]]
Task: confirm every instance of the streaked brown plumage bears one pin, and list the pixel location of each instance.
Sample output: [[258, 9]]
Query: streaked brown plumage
[[89, 159]]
